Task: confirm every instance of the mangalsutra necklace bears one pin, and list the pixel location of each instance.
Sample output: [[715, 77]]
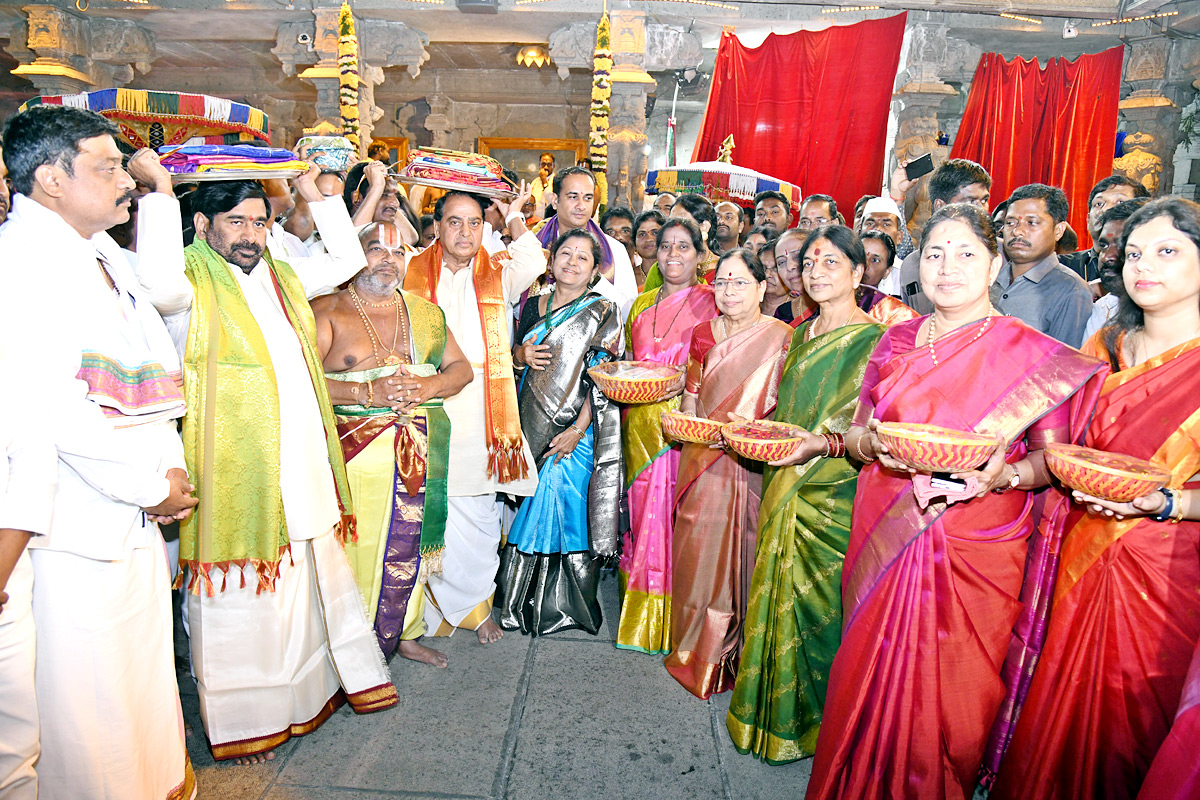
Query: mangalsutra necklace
[[654, 320], [982, 330], [392, 358]]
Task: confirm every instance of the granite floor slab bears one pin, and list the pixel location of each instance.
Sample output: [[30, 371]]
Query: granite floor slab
[[565, 716]]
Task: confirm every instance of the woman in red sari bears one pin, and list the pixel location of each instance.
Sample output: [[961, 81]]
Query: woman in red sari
[[734, 369], [931, 594], [1114, 676]]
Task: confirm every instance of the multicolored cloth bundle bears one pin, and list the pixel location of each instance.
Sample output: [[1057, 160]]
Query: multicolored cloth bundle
[[155, 119], [206, 158], [468, 171]]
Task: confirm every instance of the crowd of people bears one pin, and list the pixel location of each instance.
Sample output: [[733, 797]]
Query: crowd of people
[[372, 427]]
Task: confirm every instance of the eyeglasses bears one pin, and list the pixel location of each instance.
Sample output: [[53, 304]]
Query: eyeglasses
[[737, 283]]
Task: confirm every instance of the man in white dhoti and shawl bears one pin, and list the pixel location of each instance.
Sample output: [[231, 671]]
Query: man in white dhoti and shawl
[[279, 637], [488, 453], [102, 373], [28, 475]]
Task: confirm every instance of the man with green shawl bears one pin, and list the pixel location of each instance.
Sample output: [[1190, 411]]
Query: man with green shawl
[[389, 360], [278, 635]]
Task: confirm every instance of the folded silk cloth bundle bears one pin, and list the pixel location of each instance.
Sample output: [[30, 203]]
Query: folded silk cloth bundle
[[454, 169], [204, 158]]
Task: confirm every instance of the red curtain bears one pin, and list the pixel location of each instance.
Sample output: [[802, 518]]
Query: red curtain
[[1055, 125], [810, 108]]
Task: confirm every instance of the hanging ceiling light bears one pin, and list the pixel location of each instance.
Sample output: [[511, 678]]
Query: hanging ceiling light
[[533, 55]]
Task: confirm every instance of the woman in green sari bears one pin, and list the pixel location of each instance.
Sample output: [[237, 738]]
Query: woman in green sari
[[794, 617]]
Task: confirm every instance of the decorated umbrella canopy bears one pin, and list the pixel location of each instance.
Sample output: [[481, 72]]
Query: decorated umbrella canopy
[[154, 119], [719, 181]]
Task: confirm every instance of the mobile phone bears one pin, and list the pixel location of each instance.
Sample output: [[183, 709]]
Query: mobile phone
[[919, 167]]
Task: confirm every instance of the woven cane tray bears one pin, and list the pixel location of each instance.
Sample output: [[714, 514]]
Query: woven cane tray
[[634, 382], [687, 428], [934, 449], [1109, 476], [762, 440]]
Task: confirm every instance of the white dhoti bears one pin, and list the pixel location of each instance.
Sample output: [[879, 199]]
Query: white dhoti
[[19, 747], [274, 665], [106, 691], [461, 597]]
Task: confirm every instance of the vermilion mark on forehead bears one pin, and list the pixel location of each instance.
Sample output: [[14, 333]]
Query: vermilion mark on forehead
[[817, 251]]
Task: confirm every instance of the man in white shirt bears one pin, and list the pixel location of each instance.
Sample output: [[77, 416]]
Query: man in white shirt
[[270, 650], [28, 475], [576, 191], [883, 215], [488, 453], [105, 370]]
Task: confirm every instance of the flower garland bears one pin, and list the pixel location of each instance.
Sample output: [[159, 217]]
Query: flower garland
[[602, 63], [348, 73]]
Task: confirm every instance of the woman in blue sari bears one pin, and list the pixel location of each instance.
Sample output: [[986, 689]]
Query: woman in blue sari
[[549, 568]]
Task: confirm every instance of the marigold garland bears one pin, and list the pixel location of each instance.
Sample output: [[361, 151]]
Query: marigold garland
[[348, 73], [602, 64]]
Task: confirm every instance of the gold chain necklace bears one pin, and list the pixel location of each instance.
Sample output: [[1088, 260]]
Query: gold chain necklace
[[654, 320], [391, 358], [986, 321], [811, 333]]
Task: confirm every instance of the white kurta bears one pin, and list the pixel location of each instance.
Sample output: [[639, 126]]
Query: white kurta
[[28, 475], [111, 725], [268, 666]]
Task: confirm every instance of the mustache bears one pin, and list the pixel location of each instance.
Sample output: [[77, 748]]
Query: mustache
[[128, 196], [1018, 241]]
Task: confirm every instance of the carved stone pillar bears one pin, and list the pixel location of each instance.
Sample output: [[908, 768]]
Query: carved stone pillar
[[637, 46], [631, 85], [438, 121], [65, 53], [381, 43], [1151, 116], [922, 91]]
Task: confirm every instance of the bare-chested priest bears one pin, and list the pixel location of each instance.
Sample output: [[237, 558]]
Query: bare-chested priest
[[389, 360]]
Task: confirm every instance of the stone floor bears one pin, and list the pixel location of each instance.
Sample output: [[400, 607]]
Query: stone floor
[[560, 717]]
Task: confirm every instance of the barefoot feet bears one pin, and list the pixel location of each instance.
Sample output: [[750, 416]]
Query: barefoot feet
[[489, 632], [415, 651], [257, 758]]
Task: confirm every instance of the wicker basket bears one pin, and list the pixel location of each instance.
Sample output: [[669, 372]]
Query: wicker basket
[[1109, 476]]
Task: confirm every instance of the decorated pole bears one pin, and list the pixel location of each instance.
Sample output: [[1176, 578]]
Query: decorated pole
[[348, 74], [602, 63]]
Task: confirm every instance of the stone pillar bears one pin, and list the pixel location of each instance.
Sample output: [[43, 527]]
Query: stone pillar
[[1151, 116], [438, 121], [922, 92], [631, 85], [381, 43], [65, 53], [637, 46]]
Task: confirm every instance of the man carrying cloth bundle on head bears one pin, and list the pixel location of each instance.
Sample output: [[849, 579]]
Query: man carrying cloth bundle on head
[[394, 433], [488, 453], [278, 635]]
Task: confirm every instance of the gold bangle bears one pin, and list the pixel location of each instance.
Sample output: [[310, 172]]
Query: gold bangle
[[1177, 513], [370, 396], [862, 455], [575, 428]]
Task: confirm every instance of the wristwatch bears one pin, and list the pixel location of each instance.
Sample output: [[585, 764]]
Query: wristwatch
[[1015, 479]]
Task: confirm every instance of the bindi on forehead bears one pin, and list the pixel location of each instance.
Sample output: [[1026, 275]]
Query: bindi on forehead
[[817, 251]]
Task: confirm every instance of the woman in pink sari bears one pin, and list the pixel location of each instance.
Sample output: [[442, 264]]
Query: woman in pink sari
[[932, 593], [734, 369], [659, 329]]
